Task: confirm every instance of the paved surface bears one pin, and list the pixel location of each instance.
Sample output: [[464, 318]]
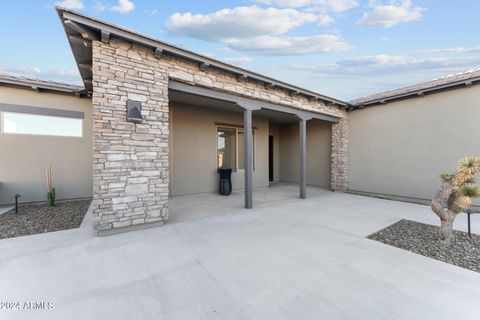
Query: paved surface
[[5, 209], [293, 259]]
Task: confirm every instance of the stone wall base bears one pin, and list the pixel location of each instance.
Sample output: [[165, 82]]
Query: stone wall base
[[110, 232]]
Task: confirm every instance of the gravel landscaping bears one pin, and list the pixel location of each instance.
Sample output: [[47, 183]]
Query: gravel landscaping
[[38, 218], [423, 239]]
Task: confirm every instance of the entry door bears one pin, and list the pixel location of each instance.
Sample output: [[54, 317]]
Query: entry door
[[270, 158]]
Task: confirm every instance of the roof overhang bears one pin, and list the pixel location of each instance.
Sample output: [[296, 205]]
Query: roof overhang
[[244, 102], [41, 85], [81, 30], [418, 92]]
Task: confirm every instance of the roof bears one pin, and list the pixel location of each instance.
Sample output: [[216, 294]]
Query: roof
[[82, 29], [452, 81], [40, 85]]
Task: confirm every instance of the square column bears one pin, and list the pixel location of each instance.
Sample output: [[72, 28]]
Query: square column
[[248, 151], [302, 180], [248, 145]]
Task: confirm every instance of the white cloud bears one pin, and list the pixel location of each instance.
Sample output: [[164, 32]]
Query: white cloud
[[391, 14], [323, 5], [386, 65], [449, 50], [152, 12], [325, 20], [237, 23], [99, 7], [239, 61], [258, 30], [269, 45], [71, 4], [124, 6]]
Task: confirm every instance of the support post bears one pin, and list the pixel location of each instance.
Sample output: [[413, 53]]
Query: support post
[[248, 150], [248, 145], [303, 157]]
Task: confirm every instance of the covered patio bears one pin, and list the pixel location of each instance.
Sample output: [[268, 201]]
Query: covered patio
[[271, 144]]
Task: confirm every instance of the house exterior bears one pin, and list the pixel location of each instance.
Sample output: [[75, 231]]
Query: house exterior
[[401, 140], [154, 121]]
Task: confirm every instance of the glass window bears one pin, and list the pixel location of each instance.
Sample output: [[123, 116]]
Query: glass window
[[230, 150], [23, 123], [226, 148]]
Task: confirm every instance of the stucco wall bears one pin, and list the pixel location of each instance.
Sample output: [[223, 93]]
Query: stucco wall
[[400, 148], [23, 157], [318, 153], [194, 149]]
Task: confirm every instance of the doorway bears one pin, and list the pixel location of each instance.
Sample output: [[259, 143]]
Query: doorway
[[270, 158]]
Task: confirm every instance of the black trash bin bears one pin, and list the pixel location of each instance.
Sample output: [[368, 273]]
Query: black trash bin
[[225, 187]]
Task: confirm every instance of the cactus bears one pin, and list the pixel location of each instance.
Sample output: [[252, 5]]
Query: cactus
[[50, 190], [455, 195]]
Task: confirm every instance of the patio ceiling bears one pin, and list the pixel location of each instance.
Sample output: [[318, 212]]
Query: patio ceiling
[[191, 94], [191, 99]]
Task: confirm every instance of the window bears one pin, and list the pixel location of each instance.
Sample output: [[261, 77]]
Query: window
[[24, 123], [230, 148]]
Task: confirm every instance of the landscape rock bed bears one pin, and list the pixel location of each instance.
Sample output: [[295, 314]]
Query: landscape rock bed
[[38, 218], [423, 239]]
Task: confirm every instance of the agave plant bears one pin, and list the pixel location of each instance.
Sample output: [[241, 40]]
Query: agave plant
[[455, 195]]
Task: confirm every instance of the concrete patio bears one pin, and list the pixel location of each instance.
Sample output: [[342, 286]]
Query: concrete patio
[[285, 259]]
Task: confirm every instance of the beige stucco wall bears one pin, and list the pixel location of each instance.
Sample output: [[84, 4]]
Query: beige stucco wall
[[318, 153], [23, 157], [400, 148], [194, 149]]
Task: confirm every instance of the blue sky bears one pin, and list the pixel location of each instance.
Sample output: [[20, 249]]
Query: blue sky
[[342, 48]]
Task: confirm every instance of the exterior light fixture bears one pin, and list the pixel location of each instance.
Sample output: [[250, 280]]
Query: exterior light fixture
[[134, 111]]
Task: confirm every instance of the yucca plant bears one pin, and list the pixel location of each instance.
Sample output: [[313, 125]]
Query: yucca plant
[[455, 195], [50, 188]]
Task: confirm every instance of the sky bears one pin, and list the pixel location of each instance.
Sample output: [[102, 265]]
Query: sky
[[342, 48]]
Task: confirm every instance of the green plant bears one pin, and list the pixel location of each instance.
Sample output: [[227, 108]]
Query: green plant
[[455, 195], [50, 190]]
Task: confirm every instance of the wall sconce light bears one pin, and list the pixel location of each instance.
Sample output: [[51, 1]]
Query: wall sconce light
[[134, 111]]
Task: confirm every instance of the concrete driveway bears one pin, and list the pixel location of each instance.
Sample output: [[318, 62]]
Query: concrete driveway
[[293, 259]]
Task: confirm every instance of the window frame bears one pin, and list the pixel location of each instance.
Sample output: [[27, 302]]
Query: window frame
[[3, 132], [237, 130]]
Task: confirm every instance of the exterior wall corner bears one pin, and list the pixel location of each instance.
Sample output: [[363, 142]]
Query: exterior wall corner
[[339, 165]]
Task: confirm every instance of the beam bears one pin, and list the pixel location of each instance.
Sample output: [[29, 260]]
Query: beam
[[85, 66], [248, 151], [80, 40], [269, 86], [158, 53], [105, 36], [85, 33], [295, 93], [204, 66], [241, 100], [242, 77]]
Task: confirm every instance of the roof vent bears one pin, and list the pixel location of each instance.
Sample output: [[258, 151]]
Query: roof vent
[[134, 111]]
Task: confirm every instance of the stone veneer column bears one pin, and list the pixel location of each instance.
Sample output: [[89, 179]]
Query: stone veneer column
[[130, 161], [339, 167]]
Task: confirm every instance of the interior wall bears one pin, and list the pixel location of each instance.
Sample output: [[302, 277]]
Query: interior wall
[[23, 157], [318, 153], [194, 149], [400, 148]]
